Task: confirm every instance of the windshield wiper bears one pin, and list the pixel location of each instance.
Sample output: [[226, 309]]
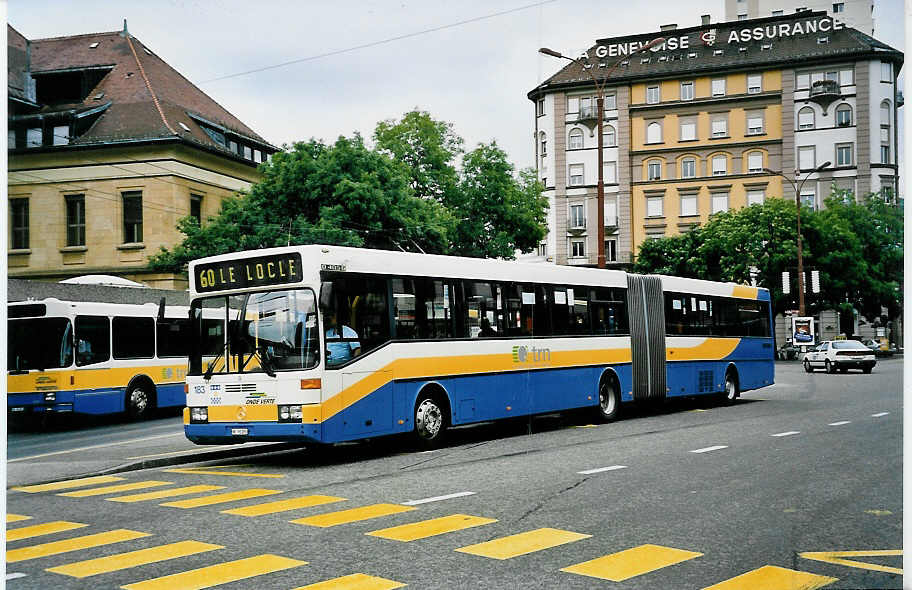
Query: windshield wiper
[[263, 357], [211, 367]]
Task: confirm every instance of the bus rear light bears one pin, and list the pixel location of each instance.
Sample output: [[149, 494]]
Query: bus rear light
[[199, 415], [290, 413], [310, 384], [186, 388]]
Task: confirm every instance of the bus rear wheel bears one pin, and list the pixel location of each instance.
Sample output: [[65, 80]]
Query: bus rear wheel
[[731, 392], [430, 421], [140, 399], [609, 401]]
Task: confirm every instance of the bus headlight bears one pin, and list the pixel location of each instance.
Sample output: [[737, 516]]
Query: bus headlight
[[290, 413], [199, 415]]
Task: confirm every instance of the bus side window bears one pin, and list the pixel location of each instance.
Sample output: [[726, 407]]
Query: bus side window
[[560, 310], [172, 337], [93, 338], [579, 310], [404, 304], [134, 338], [481, 318]]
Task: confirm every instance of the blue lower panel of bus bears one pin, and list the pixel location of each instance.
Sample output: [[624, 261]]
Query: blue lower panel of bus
[[89, 401], [221, 433]]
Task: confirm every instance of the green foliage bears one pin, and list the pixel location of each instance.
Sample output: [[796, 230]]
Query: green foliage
[[856, 247]]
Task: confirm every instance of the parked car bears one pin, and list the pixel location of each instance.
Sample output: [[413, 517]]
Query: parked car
[[842, 355], [788, 352], [880, 348]]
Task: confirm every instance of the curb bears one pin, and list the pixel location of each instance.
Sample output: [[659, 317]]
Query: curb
[[240, 451]]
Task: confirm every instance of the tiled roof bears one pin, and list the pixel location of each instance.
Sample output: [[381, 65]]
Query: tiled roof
[[844, 43], [148, 98], [17, 65]]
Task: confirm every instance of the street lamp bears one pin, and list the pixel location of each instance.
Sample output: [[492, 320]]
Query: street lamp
[[600, 110], [797, 187]]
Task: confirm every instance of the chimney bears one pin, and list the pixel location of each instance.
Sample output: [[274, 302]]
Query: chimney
[[670, 27], [705, 19], [125, 32]]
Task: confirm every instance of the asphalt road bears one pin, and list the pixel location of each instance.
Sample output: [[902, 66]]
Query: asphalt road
[[688, 496]]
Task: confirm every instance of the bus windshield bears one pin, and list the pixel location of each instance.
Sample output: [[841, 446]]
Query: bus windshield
[[39, 343], [278, 329]]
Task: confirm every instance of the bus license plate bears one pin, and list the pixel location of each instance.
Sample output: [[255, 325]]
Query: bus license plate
[[239, 431]]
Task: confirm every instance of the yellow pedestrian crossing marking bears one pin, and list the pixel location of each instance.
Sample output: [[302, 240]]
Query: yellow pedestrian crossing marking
[[836, 557], [222, 573], [523, 543], [432, 527], [124, 487], [218, 470], [122, 561], [159, 494], [771, 576], [637, 561], [221, 498], [353, 515], [16, 518], [283, 505], [74, 544], [70, 483], [355, 582], [36, 530]]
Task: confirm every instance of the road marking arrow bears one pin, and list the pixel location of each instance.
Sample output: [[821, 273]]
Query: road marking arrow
[[836, 557]]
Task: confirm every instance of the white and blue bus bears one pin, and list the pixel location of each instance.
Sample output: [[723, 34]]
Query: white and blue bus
[[330, 344], [96, 358]]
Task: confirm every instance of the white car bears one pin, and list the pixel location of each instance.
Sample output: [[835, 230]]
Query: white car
[[840, 354]]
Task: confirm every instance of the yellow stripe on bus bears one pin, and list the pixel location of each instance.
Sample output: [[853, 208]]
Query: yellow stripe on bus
[[67, 379], [246, 413]]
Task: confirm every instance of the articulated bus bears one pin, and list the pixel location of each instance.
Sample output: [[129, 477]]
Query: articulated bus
[[328, 344], [95, 358]]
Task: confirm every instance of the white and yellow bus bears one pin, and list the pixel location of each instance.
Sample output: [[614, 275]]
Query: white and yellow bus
[[96, 358], [330, 344]]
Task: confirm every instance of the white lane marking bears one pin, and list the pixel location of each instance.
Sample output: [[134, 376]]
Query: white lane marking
[[113, 444], [879, 415], [708, 449], [789, 433], [839, 423], [602, 469], [437, 498], [15, 576]]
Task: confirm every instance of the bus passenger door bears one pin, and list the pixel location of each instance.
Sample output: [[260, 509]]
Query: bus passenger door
[[646, 306]]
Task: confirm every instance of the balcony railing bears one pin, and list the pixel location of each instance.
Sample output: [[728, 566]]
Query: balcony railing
[[824, 92]]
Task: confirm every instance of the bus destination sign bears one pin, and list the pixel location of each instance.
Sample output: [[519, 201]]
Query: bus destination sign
[[277, 269]]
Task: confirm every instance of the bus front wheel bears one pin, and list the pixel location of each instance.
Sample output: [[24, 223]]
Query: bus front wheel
[[140, 399], [430, 421]]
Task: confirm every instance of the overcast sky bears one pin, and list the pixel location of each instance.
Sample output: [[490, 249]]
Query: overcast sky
[[474, 75]]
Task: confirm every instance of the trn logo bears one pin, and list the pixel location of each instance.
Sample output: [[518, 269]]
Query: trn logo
[[523, 354]]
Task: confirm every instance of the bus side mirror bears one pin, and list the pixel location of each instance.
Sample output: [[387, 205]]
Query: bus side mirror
[[326, 295], [161, 309]]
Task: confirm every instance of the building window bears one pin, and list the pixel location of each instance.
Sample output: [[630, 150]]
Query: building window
[[577, 217], [846, 77], [688, 129], [609, 174], [654, 132], [654, 171], [541, 106], [806, 118], [33, 137], [609, 137], [61, 135], [742, 17], [610, 102], [248, 153], [587, 107], [611, 250], [577, 248], [233, 147], [196, 208], [133, 217], [755, 124], [807, 157], [652, 95], [844, 115], [755, 197], [75, 220], [19, 224], [755, 162], [844, 155], [754, 83], [10, 138], [654, 206], [687, 90], [576, 174], [809, 198], [718, 87], [719, 165], [576, 139], [611, 213], [720, 126], [655, 235], [886, 71], [543, 249], [803, 81], [688, 168], [838, 7], [544, 144], [776, 13], [688, 205], [719, 203]]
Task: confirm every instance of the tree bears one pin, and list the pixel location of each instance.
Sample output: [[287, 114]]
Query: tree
[[341, 194]]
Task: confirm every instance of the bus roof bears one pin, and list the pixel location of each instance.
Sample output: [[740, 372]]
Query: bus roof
[[50, 307]]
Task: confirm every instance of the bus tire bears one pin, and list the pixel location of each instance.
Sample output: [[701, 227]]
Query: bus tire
[[609, 399], [731, 391], [431, 418], [139, 400]]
